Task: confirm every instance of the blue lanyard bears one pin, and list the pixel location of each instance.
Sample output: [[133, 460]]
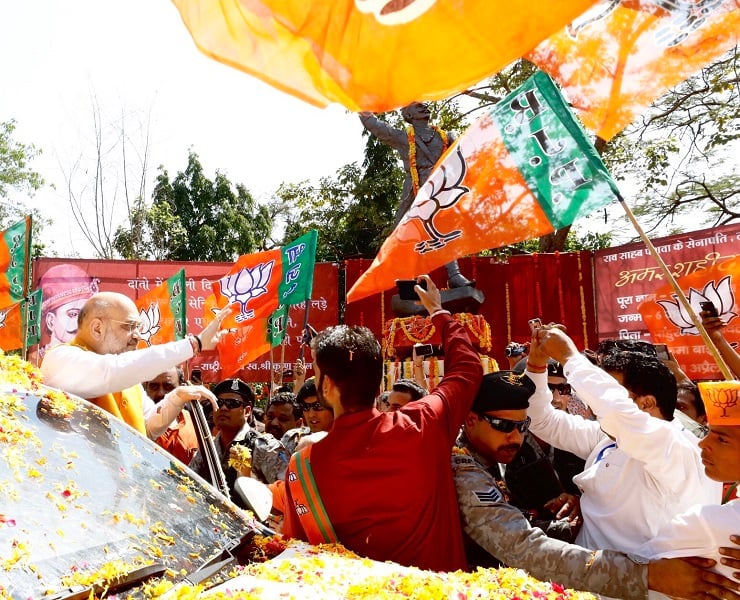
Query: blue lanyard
[[601, 453]]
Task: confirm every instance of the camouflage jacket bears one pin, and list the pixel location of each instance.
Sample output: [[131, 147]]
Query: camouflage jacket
[[269, 457], [505, 533]]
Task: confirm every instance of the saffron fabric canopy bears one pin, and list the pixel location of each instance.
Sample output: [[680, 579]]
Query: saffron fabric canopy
[[373, 55]]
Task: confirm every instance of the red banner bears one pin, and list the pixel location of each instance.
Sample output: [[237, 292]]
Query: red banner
[[628, 276], [75, 280], [555, 287]]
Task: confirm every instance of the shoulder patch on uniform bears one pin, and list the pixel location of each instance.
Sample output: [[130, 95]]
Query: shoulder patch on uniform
[[462, 461], [490, 497]]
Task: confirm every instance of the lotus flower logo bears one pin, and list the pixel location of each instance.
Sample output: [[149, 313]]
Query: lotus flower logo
[[3, 317], [149, 323], [394, 12], [246, 285], [720, 295], [443, 191]]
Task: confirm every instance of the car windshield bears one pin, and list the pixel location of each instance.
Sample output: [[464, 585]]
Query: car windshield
[[81, 493]]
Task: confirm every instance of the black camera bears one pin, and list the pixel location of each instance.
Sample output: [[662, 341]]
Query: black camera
[[515, 350]]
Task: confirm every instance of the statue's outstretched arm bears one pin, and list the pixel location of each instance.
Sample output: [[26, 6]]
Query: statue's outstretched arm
[[395, 138]]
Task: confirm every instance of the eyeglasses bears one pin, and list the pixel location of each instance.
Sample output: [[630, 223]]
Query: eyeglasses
[[563, 389], [130, 326], [505, 425], [317, 406], [230, 403]]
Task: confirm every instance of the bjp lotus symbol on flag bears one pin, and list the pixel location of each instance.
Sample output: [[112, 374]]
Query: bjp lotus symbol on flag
[[524, 169]]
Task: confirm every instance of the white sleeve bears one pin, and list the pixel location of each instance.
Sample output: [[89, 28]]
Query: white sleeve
[[697, 532], [666, 452], [159, 416], [89, 375], [571, 433]]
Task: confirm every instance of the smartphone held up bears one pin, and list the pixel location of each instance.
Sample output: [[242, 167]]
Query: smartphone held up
[[406, 289]]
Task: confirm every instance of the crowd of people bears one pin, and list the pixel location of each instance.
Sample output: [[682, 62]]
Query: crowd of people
[[599, 470]]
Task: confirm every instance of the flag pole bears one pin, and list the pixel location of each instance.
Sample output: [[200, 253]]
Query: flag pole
[[726, 373], [306, 334]]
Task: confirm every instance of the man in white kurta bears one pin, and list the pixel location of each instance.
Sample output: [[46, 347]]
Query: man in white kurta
[[102, 364], [703, 529], [637, 476]]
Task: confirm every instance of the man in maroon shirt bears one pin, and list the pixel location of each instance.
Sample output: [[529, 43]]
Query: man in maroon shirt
[[384, 479]]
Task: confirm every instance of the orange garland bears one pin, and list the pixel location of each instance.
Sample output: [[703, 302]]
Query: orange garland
[[413, 169], [419, 330]]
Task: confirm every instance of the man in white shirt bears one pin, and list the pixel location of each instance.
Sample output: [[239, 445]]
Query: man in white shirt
[[102, 364], [642, 467], [703, 529]]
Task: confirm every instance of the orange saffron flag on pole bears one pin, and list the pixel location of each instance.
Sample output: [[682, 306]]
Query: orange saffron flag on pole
[[258, 284], [11, 327], [524, 169], [372, 55], [618, 57], [669, 324], [162, 312]]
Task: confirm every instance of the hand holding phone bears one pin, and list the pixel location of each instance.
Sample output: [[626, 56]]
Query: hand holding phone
[[710, 308], [535, 324], [662, 352], [423, 349], [406, 289]]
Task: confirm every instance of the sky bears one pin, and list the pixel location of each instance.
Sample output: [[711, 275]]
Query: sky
[[137, 58]]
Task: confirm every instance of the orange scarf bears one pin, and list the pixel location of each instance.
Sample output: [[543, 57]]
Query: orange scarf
[[127, 405]]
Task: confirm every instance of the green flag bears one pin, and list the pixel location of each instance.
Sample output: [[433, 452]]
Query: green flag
[[33, 318], [15, 245], [277, 325], [298, 265]]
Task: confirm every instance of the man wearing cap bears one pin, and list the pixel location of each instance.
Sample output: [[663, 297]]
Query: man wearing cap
[[65, 289], [235, 401], [642, 466], [102, 364], [491, 434]]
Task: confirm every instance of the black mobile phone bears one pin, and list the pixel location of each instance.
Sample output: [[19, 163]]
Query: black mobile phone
[[661, 351], [535, 324], [423, 349], [710, 308], [406, 288]]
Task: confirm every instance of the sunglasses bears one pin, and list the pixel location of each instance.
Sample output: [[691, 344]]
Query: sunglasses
[[230, 403], [505, 425], [563, 389], [317, 406]]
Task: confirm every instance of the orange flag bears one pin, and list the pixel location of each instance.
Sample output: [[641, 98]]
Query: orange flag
[[162, 312], [11, 327], [617, 58], [252, 284], [242, 345], [522, 170], [669, 324], [372, 55]]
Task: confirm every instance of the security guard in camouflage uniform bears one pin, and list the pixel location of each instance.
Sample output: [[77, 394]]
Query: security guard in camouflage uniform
[[491, 435], [269, 457]]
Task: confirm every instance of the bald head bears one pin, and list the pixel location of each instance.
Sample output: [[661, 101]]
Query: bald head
[[107, 323]]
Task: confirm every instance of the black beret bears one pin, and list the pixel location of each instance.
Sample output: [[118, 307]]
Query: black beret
[[234, 386], [503, 390]]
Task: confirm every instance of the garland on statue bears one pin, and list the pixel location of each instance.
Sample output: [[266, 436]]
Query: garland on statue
[[413, 169]]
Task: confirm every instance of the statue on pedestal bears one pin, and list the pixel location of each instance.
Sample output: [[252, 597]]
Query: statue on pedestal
[[420, 146]]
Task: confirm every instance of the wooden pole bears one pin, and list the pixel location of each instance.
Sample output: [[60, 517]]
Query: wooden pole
[[726, 373]]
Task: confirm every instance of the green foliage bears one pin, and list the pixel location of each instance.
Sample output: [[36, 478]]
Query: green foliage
[[196, 219], [681, 155], [15, 174], [352, 211]]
